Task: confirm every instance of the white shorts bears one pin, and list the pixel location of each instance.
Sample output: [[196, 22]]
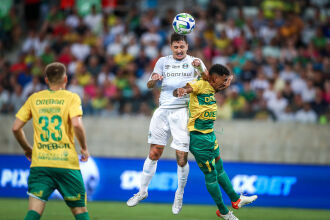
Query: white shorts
[[165, 122]]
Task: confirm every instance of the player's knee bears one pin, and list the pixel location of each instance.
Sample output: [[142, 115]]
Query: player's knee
[[78, 210], [210, 177], [155, 151], [182, 162], [154, 155], [181, 158]]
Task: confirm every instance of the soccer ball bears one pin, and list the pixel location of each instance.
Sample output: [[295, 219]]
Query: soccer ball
[[183, 23]]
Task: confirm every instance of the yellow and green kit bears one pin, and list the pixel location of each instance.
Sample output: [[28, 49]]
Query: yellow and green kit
[[203, 143], [55, 163], [202, 114]]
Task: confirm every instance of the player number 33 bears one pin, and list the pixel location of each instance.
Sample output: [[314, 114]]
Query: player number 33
[[57, 121]]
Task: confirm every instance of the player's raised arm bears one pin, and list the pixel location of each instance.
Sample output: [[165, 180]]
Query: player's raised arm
[[153, 80], [21, 138], [182, 91], [80, 133], [227, 82], [199, 68]]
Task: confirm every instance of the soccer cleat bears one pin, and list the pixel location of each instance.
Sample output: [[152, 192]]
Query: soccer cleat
[[134, 200], [229, 216], [177, 204], [243, 200]]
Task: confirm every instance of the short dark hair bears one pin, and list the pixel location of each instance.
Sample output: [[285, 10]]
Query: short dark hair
[[219, 69], [55, 72], [178, 37]]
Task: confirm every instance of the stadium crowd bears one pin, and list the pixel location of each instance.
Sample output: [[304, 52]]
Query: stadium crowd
[[280, 55]]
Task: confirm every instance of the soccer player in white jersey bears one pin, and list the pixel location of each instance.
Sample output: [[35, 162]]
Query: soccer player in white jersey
[[170, 118]]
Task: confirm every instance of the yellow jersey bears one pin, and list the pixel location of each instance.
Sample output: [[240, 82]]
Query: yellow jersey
[[51, 112], [202, 107]]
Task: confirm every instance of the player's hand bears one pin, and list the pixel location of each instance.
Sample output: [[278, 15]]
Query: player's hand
[[28, 154], [181, 92], [227, 83], [156, 76], [196, 63], [84, 155]]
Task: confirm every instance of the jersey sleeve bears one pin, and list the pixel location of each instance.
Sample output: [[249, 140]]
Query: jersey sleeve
[[158, 67], [75, 108], [195, 85], [24, 113]]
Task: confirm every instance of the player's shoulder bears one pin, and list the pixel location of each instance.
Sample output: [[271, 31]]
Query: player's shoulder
[[39, 94], [161, 60], [200, 81], [167, 58], [70, 94]]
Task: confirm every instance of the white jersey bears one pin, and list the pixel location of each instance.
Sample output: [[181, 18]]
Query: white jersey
[[176, 74]]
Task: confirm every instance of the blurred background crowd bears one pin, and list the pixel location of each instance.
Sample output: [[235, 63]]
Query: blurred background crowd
[[279, 52]]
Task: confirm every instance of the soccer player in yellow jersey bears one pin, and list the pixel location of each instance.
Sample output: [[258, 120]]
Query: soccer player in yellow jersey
[[203, 143], [56, 114]]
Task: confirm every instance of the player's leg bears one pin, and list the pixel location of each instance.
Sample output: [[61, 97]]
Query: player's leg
[[150, 166], [178, 120], [202, 146], [223, 179], [40, 187], [182, 171], [36, 208], [158, 136], [80, 213], [71, 186], [149, 170]]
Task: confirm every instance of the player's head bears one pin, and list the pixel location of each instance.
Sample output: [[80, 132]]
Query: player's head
[[55, 74], [218, 74], [179, 46]]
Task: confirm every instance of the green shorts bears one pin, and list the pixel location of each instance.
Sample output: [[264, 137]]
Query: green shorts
[[205, 149], [44, 180]]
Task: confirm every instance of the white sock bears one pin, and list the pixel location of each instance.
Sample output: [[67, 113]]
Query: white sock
[[182, 177], [149, 170]]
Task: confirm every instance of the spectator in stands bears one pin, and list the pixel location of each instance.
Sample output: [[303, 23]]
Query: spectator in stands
[[4, 99], [16, 99], [94, 20], [306, 115], [277, 105], [287, 115]]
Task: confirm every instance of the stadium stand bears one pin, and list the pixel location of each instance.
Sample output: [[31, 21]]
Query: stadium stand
[[279, 52]]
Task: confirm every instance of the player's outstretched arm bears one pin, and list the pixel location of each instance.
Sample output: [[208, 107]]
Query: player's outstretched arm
[[154, 78], [182, 91], [80, 133], [21, 138]]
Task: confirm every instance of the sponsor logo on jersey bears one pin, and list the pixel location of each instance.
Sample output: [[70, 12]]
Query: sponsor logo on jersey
[[185, 66], [167, 67], [53, 146], [177, 74]]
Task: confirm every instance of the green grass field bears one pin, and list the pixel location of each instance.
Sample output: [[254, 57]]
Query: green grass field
[[15, 209]]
